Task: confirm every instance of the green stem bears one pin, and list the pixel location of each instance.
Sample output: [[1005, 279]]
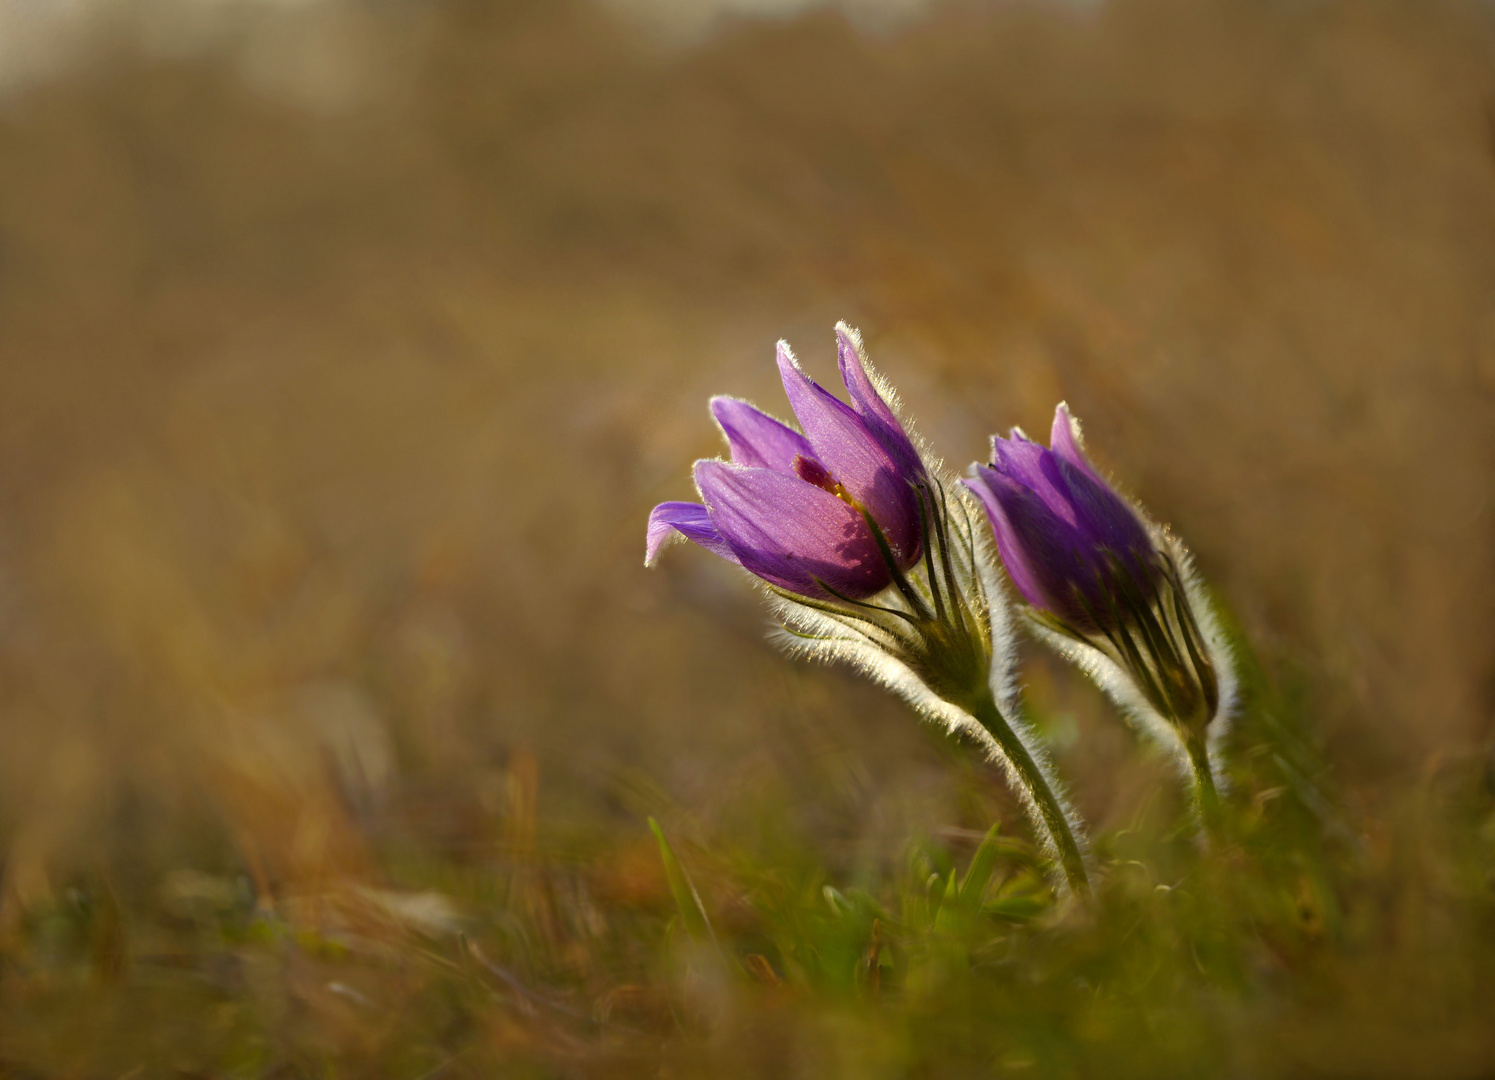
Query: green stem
[[1054, 821], [1208, 797]]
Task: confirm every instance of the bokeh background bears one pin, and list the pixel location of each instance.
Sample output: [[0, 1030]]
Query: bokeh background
[[345, 346]]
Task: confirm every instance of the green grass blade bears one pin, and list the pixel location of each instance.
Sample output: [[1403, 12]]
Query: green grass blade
[[692, 911], [978, 874]]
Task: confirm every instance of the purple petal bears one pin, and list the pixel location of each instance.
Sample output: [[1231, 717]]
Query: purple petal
[[1111, 520], [689, 520], [855, 456], [870, 405], [1063, 532], [756, 438], [987, 483], [1064, 440], [1069, 571], [789, 532], [1023, 462], [1059, 566], [1101, 517], [1059, 536]]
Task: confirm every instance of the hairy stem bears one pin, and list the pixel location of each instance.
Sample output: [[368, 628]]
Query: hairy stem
[[1205, 792], [1040, 790]]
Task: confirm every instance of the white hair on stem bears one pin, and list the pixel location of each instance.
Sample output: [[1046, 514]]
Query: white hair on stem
[[1217, 643], [810, 634]]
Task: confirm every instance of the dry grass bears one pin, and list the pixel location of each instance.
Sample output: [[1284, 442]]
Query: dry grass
[[327, 436]]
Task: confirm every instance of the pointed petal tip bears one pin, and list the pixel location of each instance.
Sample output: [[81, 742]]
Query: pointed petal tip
[[705, 466], [1066, 440], [661, 532], [791, 374], [875, 401], [757, 438], [984, 476], [1064, 423], [671, 521], [851, 358], [725, 409]]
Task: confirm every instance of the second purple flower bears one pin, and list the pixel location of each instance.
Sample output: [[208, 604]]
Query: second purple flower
[[1064, 534], [1111, 592]]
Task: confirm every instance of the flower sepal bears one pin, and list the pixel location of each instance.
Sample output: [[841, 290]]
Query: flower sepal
[[1148, 628]]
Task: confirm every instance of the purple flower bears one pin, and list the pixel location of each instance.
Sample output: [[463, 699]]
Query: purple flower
[[1072, 546], [793, 508]]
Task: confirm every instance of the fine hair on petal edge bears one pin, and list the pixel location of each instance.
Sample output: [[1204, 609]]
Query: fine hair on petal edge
[[791, 425], [893, 401]]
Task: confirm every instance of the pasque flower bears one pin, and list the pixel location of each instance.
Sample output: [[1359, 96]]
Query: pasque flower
[[868, 562], [1064, 535], [1112, 590], [804, 511]]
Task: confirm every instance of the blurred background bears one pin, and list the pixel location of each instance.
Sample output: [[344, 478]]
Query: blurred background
[[345, 346]]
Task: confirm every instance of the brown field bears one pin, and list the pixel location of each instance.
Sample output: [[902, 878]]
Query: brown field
[[335, 389]]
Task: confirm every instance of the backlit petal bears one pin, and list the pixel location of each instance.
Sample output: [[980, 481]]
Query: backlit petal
[[757, 439], [869, 403], [1064, 440], [1103, 519], [789, 532], [856, 457], [1023, 462], [991, 487], [686, 519]]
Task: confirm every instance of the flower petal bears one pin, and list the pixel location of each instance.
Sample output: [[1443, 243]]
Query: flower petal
[[991, 487], [756, 438], [856, 457], [1023, 462], [870, 404], [690, 520], [1063, 532], [789, 532], [1065, 440], [1069, 572], [1104, 520]]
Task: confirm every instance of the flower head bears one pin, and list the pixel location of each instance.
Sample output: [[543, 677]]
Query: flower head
[[1067, 538], [1097, 576], [829, 512]]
